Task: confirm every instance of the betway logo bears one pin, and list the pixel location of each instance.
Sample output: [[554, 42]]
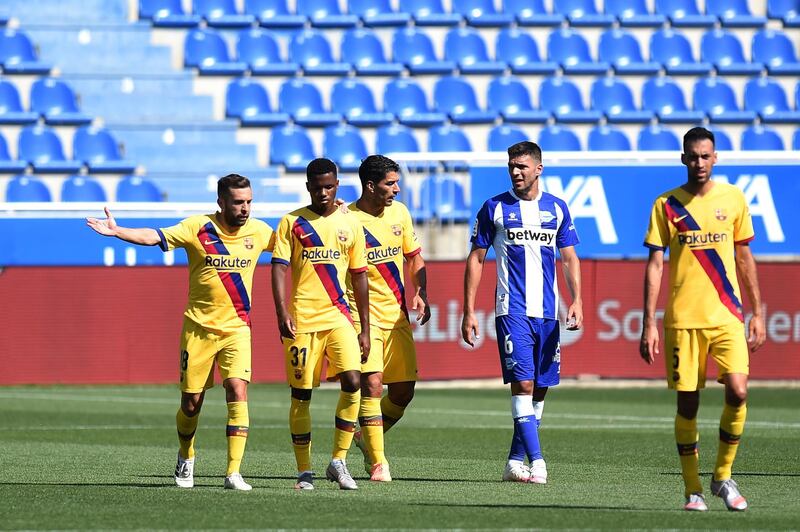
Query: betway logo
[[227, 263], [701, 239], [320, 254], [545, 235], [382, 254]]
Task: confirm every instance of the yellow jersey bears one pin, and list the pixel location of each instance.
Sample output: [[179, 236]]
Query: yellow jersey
[[320, 251], [221, 267], [389, 237], [700, 233]]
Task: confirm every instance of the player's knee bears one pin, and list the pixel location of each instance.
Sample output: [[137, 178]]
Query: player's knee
[[736, 395], [350, 381], [301, 395], [401, 395], [191, 403], [371, 384]]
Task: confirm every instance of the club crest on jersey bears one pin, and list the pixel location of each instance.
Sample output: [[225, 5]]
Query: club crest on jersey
[[546, 216], [397, 229], [248, 242], [720, 214], [298, 374], [342, 235]]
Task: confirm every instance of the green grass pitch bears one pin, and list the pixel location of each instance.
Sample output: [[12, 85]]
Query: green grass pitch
[[102, 457]]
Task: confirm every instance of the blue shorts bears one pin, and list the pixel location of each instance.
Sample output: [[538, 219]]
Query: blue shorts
[[530, 349]]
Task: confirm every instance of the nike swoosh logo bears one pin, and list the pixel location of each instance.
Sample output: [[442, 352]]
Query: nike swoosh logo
[[679, 218], [306, 235], [209, 242]]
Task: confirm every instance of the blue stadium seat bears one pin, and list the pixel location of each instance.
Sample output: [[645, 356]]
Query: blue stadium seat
[[362, 49], [247, 101], [348, 192], [532, 13], [582, 13], [608, 138], [82, 188], [796, 140], [656, 137], [734, 14], [55, 101], [447, 138], [274, 14], [562, 98], [502, 136], [24, 188], [40, 146], [456, 97], [722, 142], [312, 51], [724, 50], [11, 111], [482, 13], [291, 147], [621, 49], [135, 188], [558, 138], [345, 146], [18, 55], [326, 14], [786, 10], [518, 49], [568, 48], [776, 51], [633, 13], [7, 164], [167, 14], [673, 51], [303, 102], [414, 49], [98, 149], [615, 100], [429, 13], [222, 14], [507, 96], [465, 47], [378, 13], [207, 51], [767, 98], [353, 99], [260, 51], [665, 98], [395, 138], [442, 197], [716, 98], [684, 13], [406, 100], [758, 137]]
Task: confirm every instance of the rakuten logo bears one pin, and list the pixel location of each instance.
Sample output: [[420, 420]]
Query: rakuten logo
[[695, 239], [227, 263], [320, 254], [382, 254]]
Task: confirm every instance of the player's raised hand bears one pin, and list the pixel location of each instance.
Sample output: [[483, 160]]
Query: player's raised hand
[[420, 303], [757, 333], [469, 329], [105, 227], [648, 346], [365, 345]]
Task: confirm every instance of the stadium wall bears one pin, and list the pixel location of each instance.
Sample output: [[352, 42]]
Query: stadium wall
[[121, 325]]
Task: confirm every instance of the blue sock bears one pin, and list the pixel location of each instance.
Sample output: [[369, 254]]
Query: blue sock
[[517, 448], [526, 434]]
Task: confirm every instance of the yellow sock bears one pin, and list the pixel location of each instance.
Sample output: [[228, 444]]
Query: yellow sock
[[238, 426], [187, 426], [372, 427], [731, 427], [346, 415], [391, 413], [300, 427], [686, 437]]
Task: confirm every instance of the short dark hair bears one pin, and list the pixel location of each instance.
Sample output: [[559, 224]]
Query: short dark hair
[[225, 184], [525, 147], [320, 166], [697, 134], [375, 167]]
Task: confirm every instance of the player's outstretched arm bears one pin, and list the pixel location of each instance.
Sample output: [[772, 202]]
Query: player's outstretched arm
[[108, 227], [648, 346], [286, 325], [746, 269], [419, 281], [572, 273], [361, 293], [472, 278]]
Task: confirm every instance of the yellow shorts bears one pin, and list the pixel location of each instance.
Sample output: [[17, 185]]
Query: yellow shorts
[[200, 348], [305, 352], [686, 353], [392, 351]]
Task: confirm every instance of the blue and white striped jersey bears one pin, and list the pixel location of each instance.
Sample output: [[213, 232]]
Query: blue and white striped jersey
[[525, 235]]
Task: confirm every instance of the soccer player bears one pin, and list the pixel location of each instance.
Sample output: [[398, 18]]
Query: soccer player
[[390, 237], [321, 244], [525, 225], [222, 249], [707, 228]]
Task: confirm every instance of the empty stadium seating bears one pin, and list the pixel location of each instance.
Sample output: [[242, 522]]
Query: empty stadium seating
[[608, 138], [520, 52], [11, 111], [18, 55], [55, 101], [274, 14], [313, 52], [302, 100], [614, 99], [167, 14], [559, 138], [465, 48], [767, 98], [656, 137], [290, 146], [508, 97], [41, 147], [27, 188], [503, 136], [362, 49], [222, 14], [408, 102], [259, 50], [135, 188], [353, 99], [344, 145], [207, 51], [99, 151], [7, 164], [82, 188], [775, 50], [455, 97], [562, 98], [248, 101]]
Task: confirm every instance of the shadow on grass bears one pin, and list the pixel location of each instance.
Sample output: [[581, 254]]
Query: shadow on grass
[[738, 474], [540, 506]]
